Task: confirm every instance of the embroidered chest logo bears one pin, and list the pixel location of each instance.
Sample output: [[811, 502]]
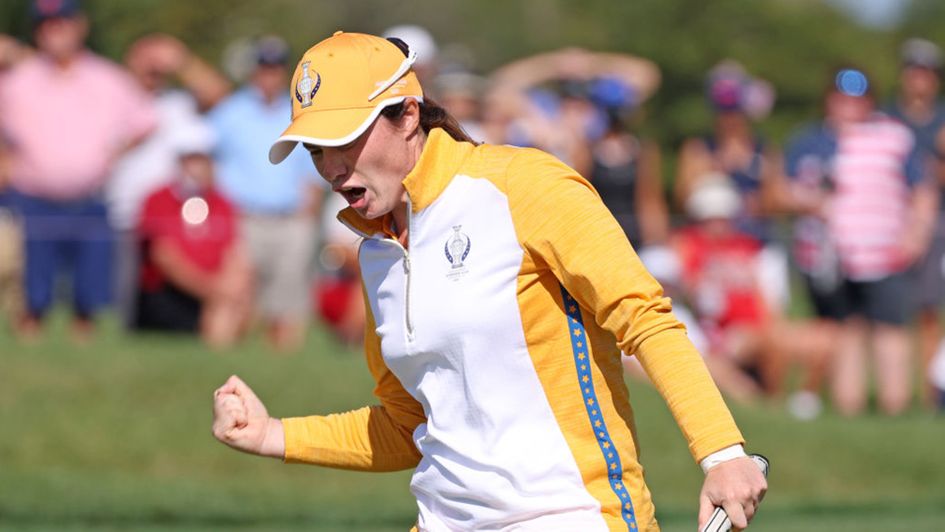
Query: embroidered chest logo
[[457, 249], [306, 88]]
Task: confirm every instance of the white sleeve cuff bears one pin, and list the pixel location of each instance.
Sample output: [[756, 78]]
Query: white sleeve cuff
[[724, 455]]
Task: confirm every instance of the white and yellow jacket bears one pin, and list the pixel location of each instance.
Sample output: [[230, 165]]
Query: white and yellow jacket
[[492, 343]]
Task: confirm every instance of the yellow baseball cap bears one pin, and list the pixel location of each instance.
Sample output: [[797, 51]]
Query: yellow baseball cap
[[340, 86]]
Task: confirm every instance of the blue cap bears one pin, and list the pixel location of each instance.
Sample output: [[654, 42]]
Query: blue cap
[[852, 82], [41, 10], [612, 93]]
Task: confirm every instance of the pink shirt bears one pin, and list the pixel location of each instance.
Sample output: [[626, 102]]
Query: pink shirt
[[64, 128], [870, 210]]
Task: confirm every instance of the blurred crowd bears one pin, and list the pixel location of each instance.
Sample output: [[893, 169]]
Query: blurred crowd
[[145, 186]]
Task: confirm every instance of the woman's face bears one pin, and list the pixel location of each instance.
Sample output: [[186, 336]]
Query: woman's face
[[369, 172]]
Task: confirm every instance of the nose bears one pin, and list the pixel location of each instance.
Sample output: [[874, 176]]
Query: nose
[[332, 165]]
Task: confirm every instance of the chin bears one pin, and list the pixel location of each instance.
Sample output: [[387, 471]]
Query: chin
[[368, 214]]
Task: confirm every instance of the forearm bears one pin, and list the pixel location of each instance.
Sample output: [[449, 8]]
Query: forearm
[[366, 439], [775, 196], [924, 209], [206, 84], [681, 377], [181, 272]]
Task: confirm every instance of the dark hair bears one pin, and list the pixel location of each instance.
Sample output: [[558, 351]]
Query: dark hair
[[431, 116]]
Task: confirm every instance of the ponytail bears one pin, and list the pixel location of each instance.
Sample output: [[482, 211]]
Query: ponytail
[[431, 116]]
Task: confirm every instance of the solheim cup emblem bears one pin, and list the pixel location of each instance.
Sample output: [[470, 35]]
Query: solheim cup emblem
[[456, 250], [306, 88]]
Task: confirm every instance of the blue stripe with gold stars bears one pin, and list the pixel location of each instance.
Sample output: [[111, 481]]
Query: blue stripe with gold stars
[[611, 457]]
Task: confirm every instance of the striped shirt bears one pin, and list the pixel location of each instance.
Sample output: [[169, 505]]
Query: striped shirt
[[875, 168], [871, 169]]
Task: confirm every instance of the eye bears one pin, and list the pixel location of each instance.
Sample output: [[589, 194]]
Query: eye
[[314, 151]]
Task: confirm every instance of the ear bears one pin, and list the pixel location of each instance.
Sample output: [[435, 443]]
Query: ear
[[410, 120]]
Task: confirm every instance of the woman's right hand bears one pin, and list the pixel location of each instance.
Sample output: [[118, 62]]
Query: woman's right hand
[[241, 421]]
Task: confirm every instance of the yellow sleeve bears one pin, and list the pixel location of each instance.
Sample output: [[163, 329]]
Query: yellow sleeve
[[374, 438], [563, 225]]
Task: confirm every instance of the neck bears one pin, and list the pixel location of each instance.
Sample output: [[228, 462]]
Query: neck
[[401, 221], [63, 62], [401, 213], [268, 96]]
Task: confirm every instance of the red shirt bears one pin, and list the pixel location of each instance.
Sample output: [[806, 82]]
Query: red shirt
[[721, 275], [202, 226]]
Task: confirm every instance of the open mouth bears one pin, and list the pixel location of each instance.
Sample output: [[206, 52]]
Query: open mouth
[[353, 195]]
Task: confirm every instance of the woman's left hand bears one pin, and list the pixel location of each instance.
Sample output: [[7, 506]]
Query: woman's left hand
[[737, 486]]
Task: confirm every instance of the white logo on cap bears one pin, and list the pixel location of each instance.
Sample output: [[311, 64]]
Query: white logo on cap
[[306, 88]]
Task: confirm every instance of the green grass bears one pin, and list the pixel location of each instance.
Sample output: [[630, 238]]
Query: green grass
[[116, 436]]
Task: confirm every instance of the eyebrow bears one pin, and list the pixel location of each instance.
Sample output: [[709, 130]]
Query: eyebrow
[[312, 148]]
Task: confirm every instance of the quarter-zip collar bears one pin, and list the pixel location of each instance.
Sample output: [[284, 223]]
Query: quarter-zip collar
[[440, 159]]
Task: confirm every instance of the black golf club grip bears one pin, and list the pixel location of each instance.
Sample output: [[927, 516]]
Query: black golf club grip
[[719, 522]]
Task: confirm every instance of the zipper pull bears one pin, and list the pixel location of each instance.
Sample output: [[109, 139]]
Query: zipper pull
[[406, 263]]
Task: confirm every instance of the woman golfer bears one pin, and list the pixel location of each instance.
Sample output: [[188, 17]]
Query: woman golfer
[[496, 283]]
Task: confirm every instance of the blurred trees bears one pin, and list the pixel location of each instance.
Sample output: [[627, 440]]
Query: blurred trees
[[791, 43]]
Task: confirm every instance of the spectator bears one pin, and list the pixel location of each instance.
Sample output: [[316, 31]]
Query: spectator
[[11, 252], [194, 275], [918, 107], [67, 115], [155, 61], [733, 149], [859, 179], [11, 261], [625, 169], [549, 97], [749, 347], [278, 204], [936, 378], [720, 266]]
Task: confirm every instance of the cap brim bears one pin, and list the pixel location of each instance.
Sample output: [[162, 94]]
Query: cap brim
[[333, 127]]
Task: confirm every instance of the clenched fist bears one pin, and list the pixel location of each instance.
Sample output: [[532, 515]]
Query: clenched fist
[[241, 421]]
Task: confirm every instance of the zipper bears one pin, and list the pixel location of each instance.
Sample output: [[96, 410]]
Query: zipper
[[408, 321]]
